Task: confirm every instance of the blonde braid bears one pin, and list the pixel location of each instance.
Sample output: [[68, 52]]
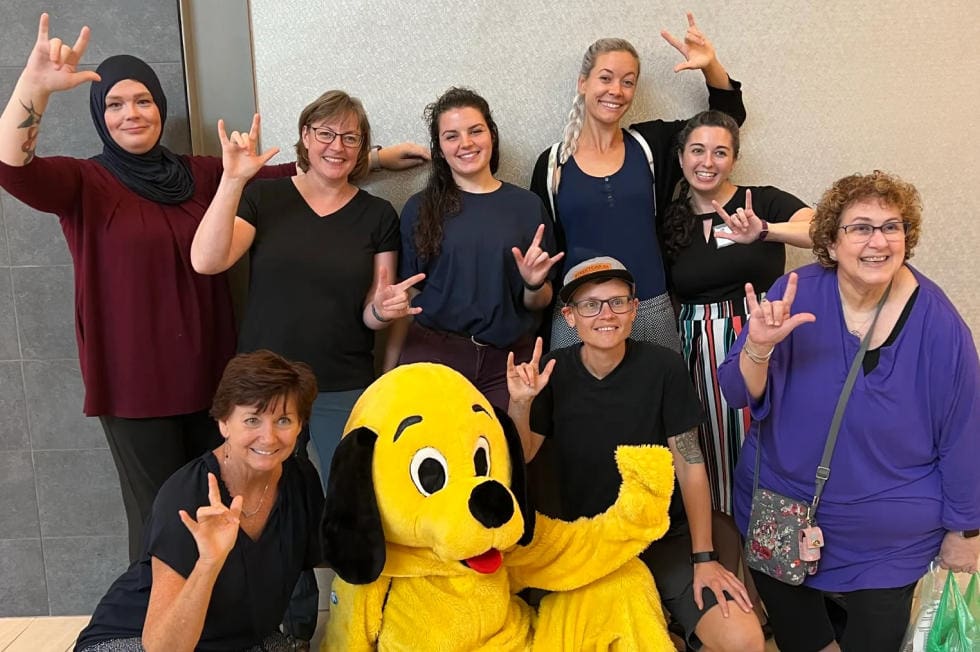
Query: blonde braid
[[573, 129]]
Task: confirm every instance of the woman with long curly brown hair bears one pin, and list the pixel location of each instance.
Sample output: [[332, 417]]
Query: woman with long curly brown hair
[[483, 246]]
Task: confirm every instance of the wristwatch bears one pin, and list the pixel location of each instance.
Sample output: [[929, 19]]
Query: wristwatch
[[701, 557], [969, 534], [764, 233]]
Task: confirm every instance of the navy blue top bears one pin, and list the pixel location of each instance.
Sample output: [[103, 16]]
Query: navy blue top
[[473, 287], [614, 216], [254, 585]]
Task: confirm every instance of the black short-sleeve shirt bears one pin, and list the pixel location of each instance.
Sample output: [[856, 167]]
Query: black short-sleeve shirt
[[703, 273], [647, 399], [257, 579], [309, 277]]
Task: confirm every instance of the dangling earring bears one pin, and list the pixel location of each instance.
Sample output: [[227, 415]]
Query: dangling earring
[[225, 445]]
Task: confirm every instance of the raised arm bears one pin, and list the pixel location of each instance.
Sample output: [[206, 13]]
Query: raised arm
[[387, 302], [51, 66], [564, 556], [222, 237], [178, 606], [534, 266], [746, 226], [699, 54], [769, 324], [524, 383]]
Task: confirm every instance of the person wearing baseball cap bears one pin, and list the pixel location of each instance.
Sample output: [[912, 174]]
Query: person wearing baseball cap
[[586, 399]]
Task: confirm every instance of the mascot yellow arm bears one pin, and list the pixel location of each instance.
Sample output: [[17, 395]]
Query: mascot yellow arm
[[565, 556], [355, 615]]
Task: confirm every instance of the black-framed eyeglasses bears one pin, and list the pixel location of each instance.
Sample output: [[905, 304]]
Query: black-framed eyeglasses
[[592, 307], [858, 233], [327, 136]]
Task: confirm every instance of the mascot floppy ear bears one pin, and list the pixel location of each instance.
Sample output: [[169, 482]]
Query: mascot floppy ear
[[353, 539], [518, 474]]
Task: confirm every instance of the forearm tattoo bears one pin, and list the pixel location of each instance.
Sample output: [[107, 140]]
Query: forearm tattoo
[[32, 123], [688, 446]]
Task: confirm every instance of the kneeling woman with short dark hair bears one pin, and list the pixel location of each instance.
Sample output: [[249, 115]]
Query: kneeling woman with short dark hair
[[230, 531]]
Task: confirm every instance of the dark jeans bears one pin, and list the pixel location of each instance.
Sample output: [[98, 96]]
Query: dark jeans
[[303, 609], [483, 365], [147, 452]]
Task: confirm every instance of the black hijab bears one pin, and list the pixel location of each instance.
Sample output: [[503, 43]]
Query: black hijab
[[158, 175]]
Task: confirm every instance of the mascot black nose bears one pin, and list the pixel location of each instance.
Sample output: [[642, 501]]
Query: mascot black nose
[[491, 504]]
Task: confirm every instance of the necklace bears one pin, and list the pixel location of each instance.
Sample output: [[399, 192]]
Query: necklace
[[859, 329], [258, 507], [265, 490]]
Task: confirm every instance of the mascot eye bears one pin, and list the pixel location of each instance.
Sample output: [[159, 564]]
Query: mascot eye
[[429, 471], [481, 456]]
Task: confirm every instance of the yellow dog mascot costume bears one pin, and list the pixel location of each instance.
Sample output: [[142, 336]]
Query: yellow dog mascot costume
[[428, 528]]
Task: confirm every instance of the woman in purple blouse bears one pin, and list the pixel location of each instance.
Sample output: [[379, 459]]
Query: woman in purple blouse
[[903, 486]]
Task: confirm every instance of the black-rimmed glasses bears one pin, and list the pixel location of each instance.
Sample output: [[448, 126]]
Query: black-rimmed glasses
[[859, 233], [592, 307], [327, 136]]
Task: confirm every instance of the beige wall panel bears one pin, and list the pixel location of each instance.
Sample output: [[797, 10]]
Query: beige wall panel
[[831, 87]]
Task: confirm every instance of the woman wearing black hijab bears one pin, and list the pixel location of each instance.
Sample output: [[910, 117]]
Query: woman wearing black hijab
[[153, 336]]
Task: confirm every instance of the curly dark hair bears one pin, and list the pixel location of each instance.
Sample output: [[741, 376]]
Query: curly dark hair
[[440, 198], [680, 222], [889, 189], [264, 380]]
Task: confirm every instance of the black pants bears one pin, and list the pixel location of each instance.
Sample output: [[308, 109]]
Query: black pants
[[147, 452], [876, 618]]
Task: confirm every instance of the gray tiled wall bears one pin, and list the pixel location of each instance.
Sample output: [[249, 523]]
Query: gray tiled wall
[[62, 528]]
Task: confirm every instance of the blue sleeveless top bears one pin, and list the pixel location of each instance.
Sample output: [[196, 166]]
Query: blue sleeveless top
[[614, 216]]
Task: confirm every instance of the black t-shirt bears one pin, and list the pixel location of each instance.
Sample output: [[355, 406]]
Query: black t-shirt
[[702, 273], [473, 287], [647, 399], [309, 277], [253, 587]]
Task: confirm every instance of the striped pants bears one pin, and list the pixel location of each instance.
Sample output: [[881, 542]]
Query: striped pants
[[707, 334]]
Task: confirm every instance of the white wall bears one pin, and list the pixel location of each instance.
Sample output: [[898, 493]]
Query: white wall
[[831, 88]]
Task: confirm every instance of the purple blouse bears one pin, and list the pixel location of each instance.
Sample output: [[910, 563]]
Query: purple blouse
[[904, 470]]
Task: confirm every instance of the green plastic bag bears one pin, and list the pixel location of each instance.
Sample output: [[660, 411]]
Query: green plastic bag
[[954, 628], [972, 598]]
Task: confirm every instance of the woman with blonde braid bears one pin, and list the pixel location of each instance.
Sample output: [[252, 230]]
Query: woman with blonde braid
[[607, 187]]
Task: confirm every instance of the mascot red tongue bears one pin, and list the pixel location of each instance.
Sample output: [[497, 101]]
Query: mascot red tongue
[[429, 473], [488, 562]]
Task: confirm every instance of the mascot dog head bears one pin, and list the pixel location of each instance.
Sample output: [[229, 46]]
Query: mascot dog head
[[427, 465]]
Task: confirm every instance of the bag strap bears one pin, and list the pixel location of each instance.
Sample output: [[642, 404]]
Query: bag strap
[[823, 469], [645, 146]]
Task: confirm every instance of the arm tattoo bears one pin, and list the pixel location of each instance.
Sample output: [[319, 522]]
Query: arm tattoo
[[32, 123], [688, 446]]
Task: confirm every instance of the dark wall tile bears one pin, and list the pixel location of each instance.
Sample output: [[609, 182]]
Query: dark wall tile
[[79, 570], [78, 494], [9, 342], [146, 28], [44, 298], [35, 238], [55, 394], [18, 500], [22, 586], [13, 411]]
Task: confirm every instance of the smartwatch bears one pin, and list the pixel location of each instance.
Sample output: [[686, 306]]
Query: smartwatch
[[969, 534], [701, 557], [764, 233]]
